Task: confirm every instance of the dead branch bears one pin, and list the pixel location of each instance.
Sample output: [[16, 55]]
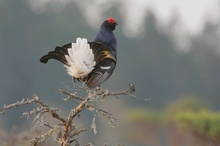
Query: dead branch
[[65, 132], [129, 91], [70, 95], [18, 104], [67, 126]]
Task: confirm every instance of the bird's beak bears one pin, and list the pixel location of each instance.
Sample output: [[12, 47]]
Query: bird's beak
[[116, 23]]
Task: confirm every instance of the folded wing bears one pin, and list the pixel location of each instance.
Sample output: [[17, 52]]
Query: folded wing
[[105, 64]]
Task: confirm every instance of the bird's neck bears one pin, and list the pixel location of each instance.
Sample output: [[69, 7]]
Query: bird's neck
[[107, 37]]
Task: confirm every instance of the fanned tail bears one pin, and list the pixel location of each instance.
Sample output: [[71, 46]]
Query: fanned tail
[[89, 62], [58, 54], [78, 58]]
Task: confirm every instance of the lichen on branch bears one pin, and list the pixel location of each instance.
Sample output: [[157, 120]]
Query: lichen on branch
[[66, 132]]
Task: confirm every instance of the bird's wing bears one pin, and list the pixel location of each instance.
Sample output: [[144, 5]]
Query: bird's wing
[[58, 54], [104, 59], [105, 64]]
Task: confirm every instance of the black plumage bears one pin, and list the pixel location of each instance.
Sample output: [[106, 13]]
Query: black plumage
[[103, 58], [105, 55], [58, 54]]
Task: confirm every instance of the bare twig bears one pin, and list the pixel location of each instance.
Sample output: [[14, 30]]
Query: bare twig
[[65, 132], [41, 138], [128, 91], [18, 104], [70, 95], [73, 113], [47, 125]]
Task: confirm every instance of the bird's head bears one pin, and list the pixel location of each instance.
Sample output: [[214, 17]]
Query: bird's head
[[110, 24]]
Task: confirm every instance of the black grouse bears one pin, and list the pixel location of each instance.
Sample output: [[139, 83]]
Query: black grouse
[[89, 62]]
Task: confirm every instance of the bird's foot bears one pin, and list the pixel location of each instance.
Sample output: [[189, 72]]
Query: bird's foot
[[100, 90]]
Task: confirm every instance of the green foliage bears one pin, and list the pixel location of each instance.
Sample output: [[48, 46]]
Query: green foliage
[[192, 114], [205, 122], [188, 115], [142, 114], [185, 103], [189, 102]]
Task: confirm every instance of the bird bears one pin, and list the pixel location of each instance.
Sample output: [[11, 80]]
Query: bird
[[89, 62]]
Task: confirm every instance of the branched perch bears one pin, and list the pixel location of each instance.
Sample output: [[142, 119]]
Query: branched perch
[[65, 132]]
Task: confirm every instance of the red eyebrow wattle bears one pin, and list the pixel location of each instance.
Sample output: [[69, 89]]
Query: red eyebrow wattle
[[111, 20]]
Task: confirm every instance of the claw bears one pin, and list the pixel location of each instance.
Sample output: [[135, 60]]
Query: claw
[[100, 90]]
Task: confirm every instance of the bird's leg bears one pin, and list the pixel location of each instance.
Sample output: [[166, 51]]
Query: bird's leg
[[74, 81], [83, 84]]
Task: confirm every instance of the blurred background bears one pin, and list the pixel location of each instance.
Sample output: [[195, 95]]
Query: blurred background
[[170, 50]]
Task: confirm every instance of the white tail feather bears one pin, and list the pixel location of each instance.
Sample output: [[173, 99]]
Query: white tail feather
[[80, 59]]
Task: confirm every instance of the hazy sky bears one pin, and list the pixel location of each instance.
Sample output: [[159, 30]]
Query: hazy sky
[[190, 15]]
